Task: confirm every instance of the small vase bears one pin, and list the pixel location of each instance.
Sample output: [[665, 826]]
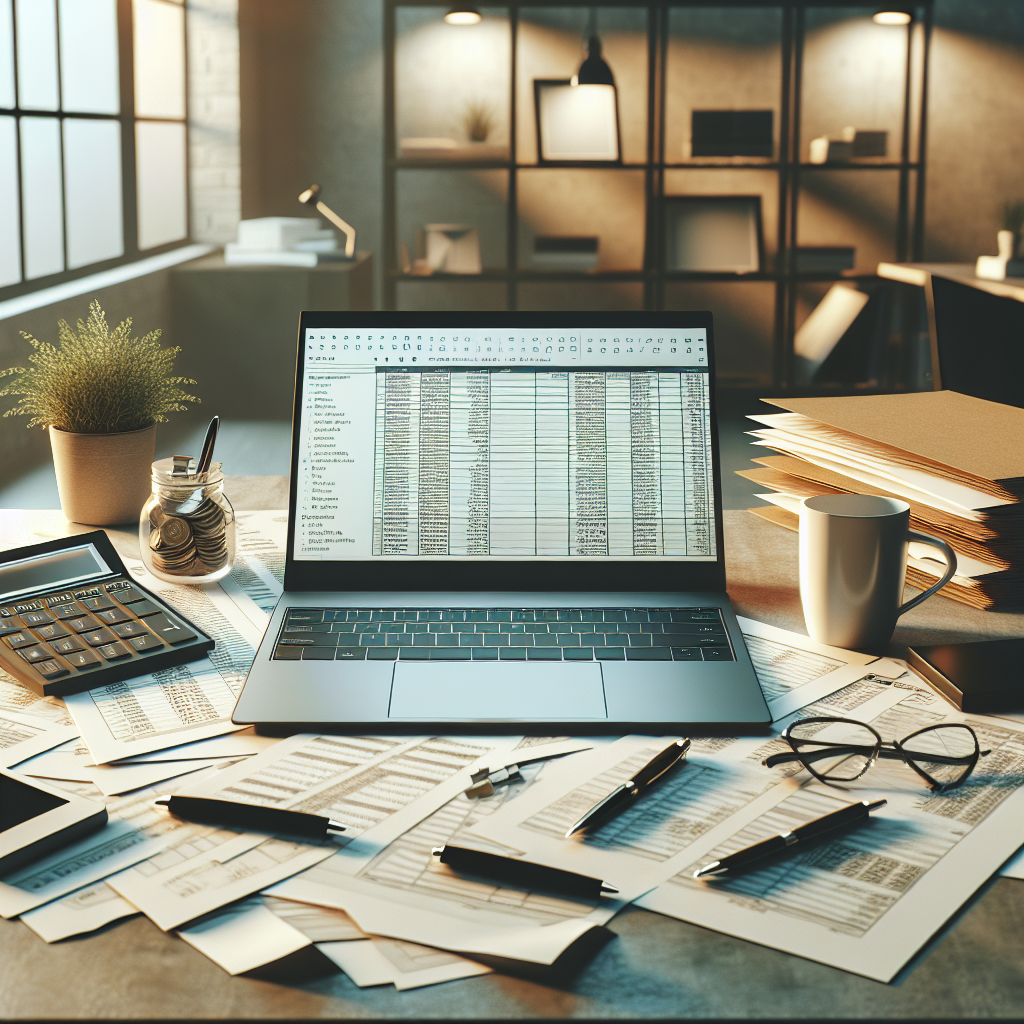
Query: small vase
[[103, 479]]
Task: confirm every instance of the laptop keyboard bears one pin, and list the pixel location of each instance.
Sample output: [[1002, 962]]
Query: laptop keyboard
[[503, 634]]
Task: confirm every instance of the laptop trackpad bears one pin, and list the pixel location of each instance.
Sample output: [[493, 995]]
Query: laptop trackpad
[[447, 691]]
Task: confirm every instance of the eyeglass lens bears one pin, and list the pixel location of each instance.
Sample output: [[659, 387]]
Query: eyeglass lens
[[836, 750], [945, 753]]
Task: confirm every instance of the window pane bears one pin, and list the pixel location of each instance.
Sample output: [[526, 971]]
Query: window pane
[[159, 59], [92, 190], [42, 207], [88, 56], [10, 246], [37, 54], [160, 172], [6, 55]]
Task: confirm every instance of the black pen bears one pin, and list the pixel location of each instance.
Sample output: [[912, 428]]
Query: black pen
[[231, 814], [625, 794], [521, 873], [848, 815]]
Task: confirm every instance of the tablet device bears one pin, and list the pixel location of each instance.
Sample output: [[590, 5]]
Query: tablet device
[[36, 819]]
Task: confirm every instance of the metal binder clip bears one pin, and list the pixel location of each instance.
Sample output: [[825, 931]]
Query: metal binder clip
[[485, 780]]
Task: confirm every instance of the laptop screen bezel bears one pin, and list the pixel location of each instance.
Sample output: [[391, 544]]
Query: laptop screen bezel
[[414, 574]]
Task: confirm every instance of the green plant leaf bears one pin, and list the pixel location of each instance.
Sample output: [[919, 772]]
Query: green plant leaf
[[97, 381]]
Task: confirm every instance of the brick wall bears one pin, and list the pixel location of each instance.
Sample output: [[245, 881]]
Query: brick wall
[[214, 151]]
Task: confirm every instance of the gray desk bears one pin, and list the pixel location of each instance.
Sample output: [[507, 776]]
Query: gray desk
[[653, 966]]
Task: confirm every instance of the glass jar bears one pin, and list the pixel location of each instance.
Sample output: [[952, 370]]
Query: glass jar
[[187, 527]]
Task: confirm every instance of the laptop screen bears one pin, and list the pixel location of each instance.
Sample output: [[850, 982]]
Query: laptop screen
[[504, 444]]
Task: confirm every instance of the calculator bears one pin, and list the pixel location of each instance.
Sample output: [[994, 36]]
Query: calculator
[[71, 618]]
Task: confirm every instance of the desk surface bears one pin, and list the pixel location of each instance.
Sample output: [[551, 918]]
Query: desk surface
[[653, 967]]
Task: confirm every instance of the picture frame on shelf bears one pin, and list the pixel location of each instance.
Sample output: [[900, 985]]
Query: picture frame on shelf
[[714, 234], [732, 133], [576, 123]]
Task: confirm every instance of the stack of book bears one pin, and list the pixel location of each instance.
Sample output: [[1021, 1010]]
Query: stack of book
[[957, 461]]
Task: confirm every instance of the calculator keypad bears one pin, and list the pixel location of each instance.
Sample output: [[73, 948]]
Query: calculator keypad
[[98, 637], [51, 631], [112, 652], [82, 623], [82, 659], [67, 632], [23, 638], [111, 616], [71, 644]]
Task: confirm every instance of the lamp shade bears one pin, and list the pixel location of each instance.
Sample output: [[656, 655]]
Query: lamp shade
[[887, 16], [461, 15], [594, 70]]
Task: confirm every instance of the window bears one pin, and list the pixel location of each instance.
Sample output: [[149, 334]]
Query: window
[[92, 160]]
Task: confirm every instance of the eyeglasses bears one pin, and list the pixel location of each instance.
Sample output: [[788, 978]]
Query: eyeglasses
[[943, 755]]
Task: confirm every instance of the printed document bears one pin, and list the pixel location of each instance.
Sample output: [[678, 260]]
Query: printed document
[[175, 705], [72, 761], [256, 580], [867, 900], [405, 893], [795, 670], [379, 961], [78, 913], [190, 886], [136, 829], [652, 839], [15, 697], [155, 711], [378, 786], [259, 930], [244, 936], [23, 736]]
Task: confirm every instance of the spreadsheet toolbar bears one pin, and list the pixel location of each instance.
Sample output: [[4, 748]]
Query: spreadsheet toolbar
[[668, 347]]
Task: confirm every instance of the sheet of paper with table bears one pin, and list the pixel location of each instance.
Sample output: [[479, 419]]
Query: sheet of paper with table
[[897, 880], [404, 893], [869, 900], [136, 830], [379, 786]]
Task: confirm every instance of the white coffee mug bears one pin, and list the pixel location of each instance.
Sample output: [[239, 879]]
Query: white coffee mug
[[853, 566]]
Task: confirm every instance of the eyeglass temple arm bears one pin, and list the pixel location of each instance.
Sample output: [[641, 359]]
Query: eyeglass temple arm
[[891, 754], [814, 755]]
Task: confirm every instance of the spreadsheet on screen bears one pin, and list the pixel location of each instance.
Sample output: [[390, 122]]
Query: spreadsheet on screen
[[511, 445]]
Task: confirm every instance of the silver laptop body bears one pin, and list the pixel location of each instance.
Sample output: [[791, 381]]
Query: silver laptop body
[[504, 522]]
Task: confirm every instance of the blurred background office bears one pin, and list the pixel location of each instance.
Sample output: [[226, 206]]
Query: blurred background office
[[781, 164]]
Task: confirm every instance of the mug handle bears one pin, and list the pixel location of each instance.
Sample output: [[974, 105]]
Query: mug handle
[[947, 553]]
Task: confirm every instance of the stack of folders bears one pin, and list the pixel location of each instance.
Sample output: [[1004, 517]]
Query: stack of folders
[[957, 461]]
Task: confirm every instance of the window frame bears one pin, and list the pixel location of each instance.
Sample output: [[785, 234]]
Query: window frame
[[127, 120]]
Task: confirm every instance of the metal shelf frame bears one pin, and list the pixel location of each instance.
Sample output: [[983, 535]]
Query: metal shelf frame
[[787, 166]]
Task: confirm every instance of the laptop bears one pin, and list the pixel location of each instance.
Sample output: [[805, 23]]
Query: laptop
[[503, 522]]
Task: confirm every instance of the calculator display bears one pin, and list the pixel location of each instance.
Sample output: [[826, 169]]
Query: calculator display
[[55, 569]]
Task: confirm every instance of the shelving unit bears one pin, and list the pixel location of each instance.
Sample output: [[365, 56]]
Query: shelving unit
[[790, 170]]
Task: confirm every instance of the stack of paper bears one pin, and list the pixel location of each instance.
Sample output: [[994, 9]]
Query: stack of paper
[[286, 241], [956, 460], [384, 910]]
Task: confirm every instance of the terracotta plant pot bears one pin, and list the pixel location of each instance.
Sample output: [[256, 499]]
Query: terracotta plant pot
[[103, 479]]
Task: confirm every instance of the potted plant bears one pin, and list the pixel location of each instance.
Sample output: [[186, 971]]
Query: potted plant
[[100, 393]]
